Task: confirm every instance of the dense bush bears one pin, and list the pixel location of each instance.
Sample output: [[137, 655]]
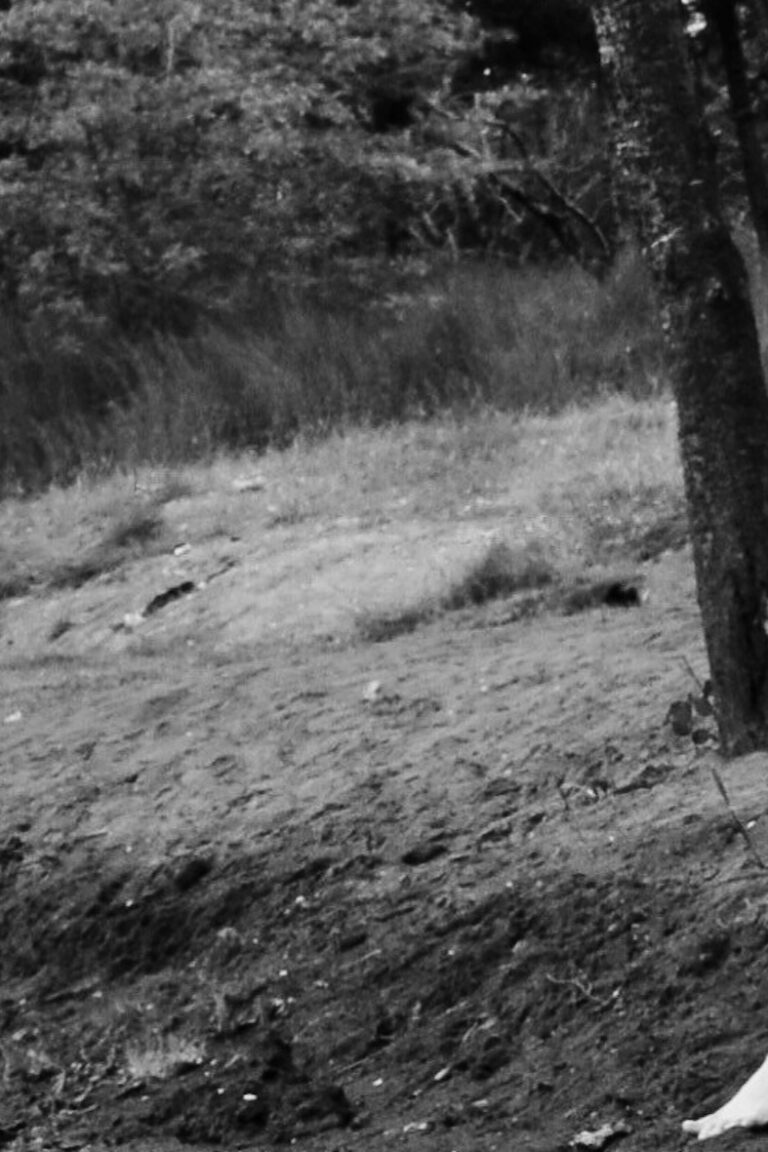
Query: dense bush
[[157, 157]]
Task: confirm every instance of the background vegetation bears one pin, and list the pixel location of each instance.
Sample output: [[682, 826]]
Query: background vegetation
[[222, 224]]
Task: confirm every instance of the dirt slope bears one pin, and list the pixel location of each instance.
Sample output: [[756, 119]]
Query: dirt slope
[[261, 882]]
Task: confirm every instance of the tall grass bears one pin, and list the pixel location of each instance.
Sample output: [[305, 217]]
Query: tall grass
[[476, 335]]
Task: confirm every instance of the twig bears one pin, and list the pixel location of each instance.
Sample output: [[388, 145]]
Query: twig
[[583, 988], [530, 754], [689, 669], [737, 821]]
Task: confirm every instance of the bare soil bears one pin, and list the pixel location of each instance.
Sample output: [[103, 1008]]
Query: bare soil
[[262, 882]]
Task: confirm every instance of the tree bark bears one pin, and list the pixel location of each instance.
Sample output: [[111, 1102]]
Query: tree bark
[[722, 15], [760, 8], [667, 184]]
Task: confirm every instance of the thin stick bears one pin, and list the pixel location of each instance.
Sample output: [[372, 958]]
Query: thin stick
[[689, 669], [737, 821], [582, 987]]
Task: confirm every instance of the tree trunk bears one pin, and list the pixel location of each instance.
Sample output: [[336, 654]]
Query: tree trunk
[[722, 15], [760, 8], [667, 187]]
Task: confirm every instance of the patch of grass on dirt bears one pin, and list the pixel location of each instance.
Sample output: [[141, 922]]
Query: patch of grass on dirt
[[501, 571], [375, 627], [137, 526], [288, 515], [75, 574], [594, 486], [551, 477], [59, 628], [598, 589], [174, 485], [634, 521], [72, 537], [131, 533], [13, 582]]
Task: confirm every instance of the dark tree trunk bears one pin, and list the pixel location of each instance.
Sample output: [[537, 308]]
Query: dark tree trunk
[[722, 15], [664, 172], [760, 8]]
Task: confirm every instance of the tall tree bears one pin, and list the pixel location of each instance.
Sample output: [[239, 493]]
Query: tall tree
[[667, 188], [723, 17]]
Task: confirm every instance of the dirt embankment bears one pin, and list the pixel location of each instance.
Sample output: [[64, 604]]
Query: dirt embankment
[[464, 889]]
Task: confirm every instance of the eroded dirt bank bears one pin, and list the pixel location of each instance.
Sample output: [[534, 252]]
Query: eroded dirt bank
[[461, 890]]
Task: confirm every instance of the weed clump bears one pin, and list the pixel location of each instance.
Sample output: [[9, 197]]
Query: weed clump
[[501, 571], [136, 527], [132, 533], [376, 627]]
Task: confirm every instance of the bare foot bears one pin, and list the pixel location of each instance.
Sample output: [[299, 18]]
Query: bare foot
[[747, 1109]]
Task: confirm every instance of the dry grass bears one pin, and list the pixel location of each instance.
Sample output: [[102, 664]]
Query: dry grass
[[591, 485], [557, 478], [135, 528], [73, 535], [374, 627], [475, 335], [500, 571]]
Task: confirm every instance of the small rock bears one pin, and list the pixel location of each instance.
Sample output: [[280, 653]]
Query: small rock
[[229, 941], [372, 692], [600, 1137]]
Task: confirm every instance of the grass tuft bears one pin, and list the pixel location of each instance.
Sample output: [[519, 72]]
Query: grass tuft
[[501, 571], [138, 526], [13, 582], [376, 627], [592, 487], [131, 533], [59, 628]]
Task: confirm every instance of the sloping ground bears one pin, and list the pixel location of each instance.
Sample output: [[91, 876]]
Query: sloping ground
[[263, 882]]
